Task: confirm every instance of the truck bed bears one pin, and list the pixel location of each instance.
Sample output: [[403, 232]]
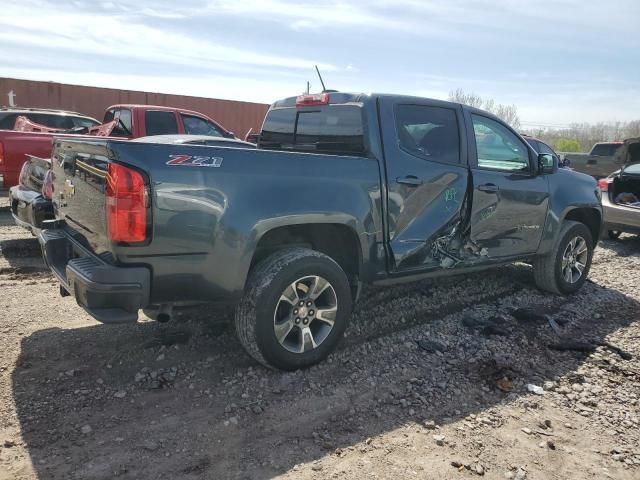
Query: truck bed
[[202, 224]]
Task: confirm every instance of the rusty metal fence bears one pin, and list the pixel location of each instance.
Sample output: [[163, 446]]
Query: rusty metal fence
[[236, 116]]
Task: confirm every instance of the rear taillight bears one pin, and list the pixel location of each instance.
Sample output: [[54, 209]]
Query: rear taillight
[[126, 203], [22, 177], [47, 185], [603, 184], [313, 99], [1, 153]]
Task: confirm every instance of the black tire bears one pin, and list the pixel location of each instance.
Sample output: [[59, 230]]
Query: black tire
[[614, 234], [254, 318], [547, 269]]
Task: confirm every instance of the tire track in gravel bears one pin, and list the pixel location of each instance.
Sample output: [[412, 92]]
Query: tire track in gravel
[[388, 310]]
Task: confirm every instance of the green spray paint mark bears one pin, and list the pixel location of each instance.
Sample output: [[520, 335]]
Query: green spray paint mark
[[450, 195]]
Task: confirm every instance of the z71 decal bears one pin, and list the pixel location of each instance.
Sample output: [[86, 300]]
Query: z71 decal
[[194, 161]]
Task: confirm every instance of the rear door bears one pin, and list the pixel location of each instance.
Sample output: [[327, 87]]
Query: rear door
[[425, 160], [510, 200]]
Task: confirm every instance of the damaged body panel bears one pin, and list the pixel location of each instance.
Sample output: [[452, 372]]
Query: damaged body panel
[[463, 189]]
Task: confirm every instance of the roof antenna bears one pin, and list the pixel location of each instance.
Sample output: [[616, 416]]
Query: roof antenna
[[324, 89]]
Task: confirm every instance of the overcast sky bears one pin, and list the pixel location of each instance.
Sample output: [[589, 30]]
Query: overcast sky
[[558, 61]]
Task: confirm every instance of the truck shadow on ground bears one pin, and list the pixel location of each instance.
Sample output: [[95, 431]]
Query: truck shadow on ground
[[624, 246], [21, 256], [183, 400]]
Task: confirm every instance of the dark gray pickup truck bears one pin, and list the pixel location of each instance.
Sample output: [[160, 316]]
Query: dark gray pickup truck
[[344, 189]]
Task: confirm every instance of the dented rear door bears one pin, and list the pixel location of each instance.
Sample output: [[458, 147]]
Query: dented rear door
[[425, 159]]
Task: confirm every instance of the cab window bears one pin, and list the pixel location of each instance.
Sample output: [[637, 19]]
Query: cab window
[[428, 132], [605, 149], [160, 122], [199, 126], [51, 121], [498, 147], [84, 122]]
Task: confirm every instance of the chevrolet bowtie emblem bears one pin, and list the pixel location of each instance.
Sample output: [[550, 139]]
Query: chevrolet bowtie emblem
[[69, 189]]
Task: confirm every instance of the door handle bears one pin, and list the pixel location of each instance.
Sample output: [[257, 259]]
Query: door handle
[[592, 161], [488, 187], [410, 180]]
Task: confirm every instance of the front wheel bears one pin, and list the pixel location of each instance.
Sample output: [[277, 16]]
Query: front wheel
[[565, 269], [295, 309]]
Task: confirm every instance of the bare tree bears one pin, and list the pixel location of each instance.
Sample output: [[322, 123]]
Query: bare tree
[[508, 113], [459, 96]]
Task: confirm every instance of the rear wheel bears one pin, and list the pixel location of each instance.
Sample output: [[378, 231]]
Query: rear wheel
[[295, 309], [565, 269], [614, 234]]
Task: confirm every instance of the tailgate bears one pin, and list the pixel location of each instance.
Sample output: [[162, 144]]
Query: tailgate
[[79, 181]]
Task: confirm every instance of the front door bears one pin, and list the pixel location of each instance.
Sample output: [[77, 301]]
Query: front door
[[427, 176], [510, 201]]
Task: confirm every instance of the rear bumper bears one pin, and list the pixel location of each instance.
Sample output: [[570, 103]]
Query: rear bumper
[[29, 208], [109, 293], [620, 217]]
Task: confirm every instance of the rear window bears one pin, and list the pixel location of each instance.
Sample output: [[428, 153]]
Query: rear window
[[335, 129], [605, 149], [84, 122], [160, 123], [52, 121]]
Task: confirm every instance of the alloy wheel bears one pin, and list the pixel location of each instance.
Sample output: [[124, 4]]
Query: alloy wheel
[[574, 259], [305, 314]]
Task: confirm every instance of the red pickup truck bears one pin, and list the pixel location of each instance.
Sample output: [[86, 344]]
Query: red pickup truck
[[122, 121]]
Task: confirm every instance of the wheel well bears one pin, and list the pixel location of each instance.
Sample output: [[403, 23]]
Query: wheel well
[[591, 217], [334, 240]]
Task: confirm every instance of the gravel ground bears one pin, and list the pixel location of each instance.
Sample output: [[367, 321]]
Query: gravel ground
[[430, 382]]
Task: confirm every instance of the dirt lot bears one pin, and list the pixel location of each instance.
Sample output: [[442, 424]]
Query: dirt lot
[[430, 382]]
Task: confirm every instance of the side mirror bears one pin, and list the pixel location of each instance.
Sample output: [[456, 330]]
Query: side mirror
[[547, 163]]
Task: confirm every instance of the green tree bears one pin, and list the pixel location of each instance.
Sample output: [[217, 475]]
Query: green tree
[[567, 145]]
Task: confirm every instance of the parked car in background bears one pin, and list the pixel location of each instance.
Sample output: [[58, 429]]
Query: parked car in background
[[343, 189], [598, 163], [133, 121], [58, 119], [621, 192], [30, 200], [120, 121], [540, 147]]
